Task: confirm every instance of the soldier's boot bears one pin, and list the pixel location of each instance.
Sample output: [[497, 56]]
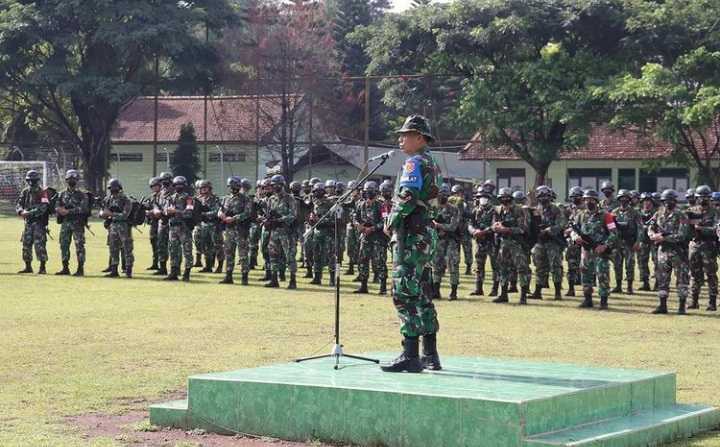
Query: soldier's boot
[[65, 269], [42, 270], [662, 307], [383, 287], [694, 301], [273, 284], [174, 274], [645, 286], [537, 294], [478, 288], [198, 260], [331, 283], [524, 295], [494, 290], [219, 267], [109, 267], [430, 358], [409, 360], [618, 287], [503, 297], [587, 301], [282, 275], [253, 261], [363, 287], [309, 272], [350, 270], [712, 304], [629, 287], [186, 275], [228, 279], [292, 285], [558, 291], [28, 268], [436, 291], [162, 269], [209, 264], [513, 287], [113, 273], [267, 276], [655, 286], [375, 278], [245, 279], [154, 265], [603, 302], [571, 288], [468, 270], [453, 292], [681, 308], [317, 278], [80, 270]]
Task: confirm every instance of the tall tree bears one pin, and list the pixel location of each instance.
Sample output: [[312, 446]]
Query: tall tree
[[185, 160], [72, 66]]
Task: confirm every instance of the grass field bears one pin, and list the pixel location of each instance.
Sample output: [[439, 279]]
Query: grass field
[[73, 346]]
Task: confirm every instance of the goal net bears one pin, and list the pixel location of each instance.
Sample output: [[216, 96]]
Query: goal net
[[12, 177]]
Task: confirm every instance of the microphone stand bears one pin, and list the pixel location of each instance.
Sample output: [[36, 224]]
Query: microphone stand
[[334, 212]]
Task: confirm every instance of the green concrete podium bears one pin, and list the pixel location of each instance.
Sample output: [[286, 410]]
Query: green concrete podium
[[471, 402]]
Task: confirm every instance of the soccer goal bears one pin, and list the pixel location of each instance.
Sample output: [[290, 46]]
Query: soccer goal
[[12, 176]]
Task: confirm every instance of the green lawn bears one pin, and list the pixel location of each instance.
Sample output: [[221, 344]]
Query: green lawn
[[77, 345]]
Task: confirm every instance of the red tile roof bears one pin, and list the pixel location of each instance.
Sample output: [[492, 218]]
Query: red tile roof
[[230, 118], [603, 144]]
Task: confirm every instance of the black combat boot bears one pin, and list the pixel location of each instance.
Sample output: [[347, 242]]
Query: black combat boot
[[317, 278], [154, 265], [712, 304], [80, 270], [571, 287], [198, 260], [209, 264], [113, 273], [618, 287], [309, 272], [453, 292], [350, 270], [162, 269], [281, 275], [253, 262], [331, 283], [128, 271], [174, 274], [292, 285], [603, 302], [524, 295], [267, 275], [468, 269], [503, 297], [228, 278], [537, 294], [363, 287], [436, 291], [478, 288], [409, 360], [629, 287], [65, 269], [28, 268], [430, 358], [244, 279], [694, 301], [645, 286], [681, 308], [219, 267], [662, 307], [186, 275], [109, 267], [513, 287], [494, 290], [273, 284], [375, 277], [42, 270], [588, 301], [383, 287], [558, 291]]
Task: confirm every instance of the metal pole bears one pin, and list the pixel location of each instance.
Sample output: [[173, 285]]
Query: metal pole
[[257, 128], [366, 149], [222, 163], [155, 118], [167, 158], [310, 135]]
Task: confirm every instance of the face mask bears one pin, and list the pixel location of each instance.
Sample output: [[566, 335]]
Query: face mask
[[506, 201], [72, 183], [705, 203], [592, 206], [624, 202], [545, 200], [484, 201], [442, 199], [577, 201], [670, 205]]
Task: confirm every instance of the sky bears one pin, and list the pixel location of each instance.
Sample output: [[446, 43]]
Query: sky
[[401, 5]]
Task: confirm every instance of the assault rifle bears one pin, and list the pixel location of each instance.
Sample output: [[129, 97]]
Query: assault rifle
[[697, 219], [547, 237], [588, 241]]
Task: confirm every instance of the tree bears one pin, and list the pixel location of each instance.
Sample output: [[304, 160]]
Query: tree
[[185, 160], [531, 67], [72, 66]]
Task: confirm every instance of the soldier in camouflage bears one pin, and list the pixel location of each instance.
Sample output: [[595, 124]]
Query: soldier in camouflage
[[208, 234], [255, 228], [691, 198], [608, 202], [703, 220], [547, 252], [72, 209], [415, 242], [479, 227], [594, 229], [235, 213], [180, 209], [279, 222], [352, 236], [116, 209], [32, 205], [163, 241], [447, 221], [648, 250], [458, 199], [629, 227], [669, 231], [344, 220], [322, 236], [369, 223], [152, 206], [511, 225], [573, 251]]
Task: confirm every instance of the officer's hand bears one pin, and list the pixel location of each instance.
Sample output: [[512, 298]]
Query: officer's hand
[[25, 213], [579, 241], [600, 249], [657, 238], [170, 211]]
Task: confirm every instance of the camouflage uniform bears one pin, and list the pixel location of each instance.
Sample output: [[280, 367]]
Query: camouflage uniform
[[480, 227], [180, 235], [373, 245], [512, 253], [163, 240], [73, 224], [282, 245], [547, 252], [629, 226], [672, 254], [352, 237], [152, 203], [323, 246], [36, 201], [119, 230], [648, 250], [703, 253], [448, 221], [573, 252], [465, 240], [237, 209], [208, 234]]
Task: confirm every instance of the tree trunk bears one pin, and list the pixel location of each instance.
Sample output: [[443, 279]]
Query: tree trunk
[[707, 175]]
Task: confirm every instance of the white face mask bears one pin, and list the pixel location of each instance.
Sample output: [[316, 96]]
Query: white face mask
[[484, 201]]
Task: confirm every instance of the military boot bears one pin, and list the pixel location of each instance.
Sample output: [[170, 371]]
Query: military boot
[[712, 304], [281, 275], [308, 272], [65, 269], [513, 287], [681, 308], [383, 287], [375, 278], [453, 292], [198, 260], [468, 270], [436, 291], [350, 270], [409, 360], [331, 283], [228, 278], [28, 268], [253, 262], [494, 290], [618, 287], [524, 295], [42, 270], [162, 269], [209, 264], [645, 286], [503, 297], [363, 287], [537, 294], [219, 267], [655, 286], [128, 271], [317, 278], [588, 301], [80, 270], [109, 266], [267, 275], [273, 281], [478, 288], [244, 279], [292, 285], [186, 275], [154, 265], [113, 273], [694, 301], [629, 287], [662, 308], [603, 302], [174, 274], [558, 291], [571, 288], [430, 358]]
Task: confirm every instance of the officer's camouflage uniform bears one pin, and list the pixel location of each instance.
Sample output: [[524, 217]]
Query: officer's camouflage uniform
[[672, 253], [703, 252], [180, 236], [163, 241], [547, 252], [629, 227], [512, 253], [465, 239], [73, 224], [448, 223], [151, 203], [34, 200], [373, 246], [237, 233], [648, 250], [352, 237], [481, 220], [282, 245], [323, 246], [573, 252], [599, 225], [120, 230], [208, 234]]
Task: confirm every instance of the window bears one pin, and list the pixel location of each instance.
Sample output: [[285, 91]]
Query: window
[[126, 157], [511, 178], [588, 178], [677, 179], [626, 179], [162, 156], [237, 157]]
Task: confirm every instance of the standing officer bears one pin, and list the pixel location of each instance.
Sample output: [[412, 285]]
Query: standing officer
[[608, 202], [151, 203], [629, 228], [163, 242], [414, 248], [458, 199], [573, 252], [235, 213], [323, 245], [369, 223], [703, 220], [208, 233], [180, 208], [547, 252], [352, 236], [279, 222], [510, 224], [116, 208], [648, 250], [32, 205], [447, 222], [480, 228], [669, 231], [594, 229], [691, 197], [73, 209]]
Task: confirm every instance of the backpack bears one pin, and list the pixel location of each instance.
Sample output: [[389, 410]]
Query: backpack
[[137, 213]]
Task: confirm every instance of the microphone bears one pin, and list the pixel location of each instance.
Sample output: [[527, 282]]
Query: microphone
[[382, 157]]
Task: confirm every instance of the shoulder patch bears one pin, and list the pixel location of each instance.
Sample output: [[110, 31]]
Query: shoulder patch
[[412, 173], [610, 221]]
